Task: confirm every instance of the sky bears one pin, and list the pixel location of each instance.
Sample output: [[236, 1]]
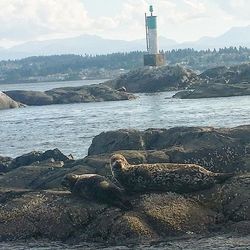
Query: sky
[[181, 20]]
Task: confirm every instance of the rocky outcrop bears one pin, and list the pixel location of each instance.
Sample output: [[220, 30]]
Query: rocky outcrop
[[155, 79], [33, 204], [91, 93], [215, 90], [7, 103], [7, 164], [230, 75], [56, 215], [219, 150], [30, 97], [220, 82], [59, 216]]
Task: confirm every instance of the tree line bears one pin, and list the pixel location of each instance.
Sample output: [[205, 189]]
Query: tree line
[[12, 70]]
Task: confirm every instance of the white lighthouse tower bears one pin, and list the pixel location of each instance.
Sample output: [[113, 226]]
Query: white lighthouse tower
[[153, 57]]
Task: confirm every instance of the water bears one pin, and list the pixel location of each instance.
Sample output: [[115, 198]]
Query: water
[[71, 127], [42, 86], [223, 242]]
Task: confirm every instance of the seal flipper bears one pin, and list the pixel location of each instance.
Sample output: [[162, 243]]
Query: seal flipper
[[222, 177]]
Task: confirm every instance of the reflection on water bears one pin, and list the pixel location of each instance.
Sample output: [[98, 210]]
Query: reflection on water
[[71, 127]]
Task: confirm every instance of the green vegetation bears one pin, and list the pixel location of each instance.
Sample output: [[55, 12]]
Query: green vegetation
[[75, 67], [206, 59]]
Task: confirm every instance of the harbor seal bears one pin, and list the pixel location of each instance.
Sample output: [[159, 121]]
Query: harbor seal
[[96, 188], [168, 177]]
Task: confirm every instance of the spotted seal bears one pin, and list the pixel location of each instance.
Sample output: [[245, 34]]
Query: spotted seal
[[96, 188], [179, 178]]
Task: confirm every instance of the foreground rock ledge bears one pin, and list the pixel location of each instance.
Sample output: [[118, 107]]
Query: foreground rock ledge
[[34, 205], [56, 215]]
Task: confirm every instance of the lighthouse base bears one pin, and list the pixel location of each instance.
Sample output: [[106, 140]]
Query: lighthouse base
[[154, 60]]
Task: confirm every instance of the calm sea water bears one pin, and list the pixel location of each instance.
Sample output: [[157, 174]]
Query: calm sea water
[[71, 127]]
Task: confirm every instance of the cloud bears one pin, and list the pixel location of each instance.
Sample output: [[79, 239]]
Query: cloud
[[23, 20], [28, 19], [239, 9]]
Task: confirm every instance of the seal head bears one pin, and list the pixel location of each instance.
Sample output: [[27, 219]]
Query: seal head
[[118, 164]]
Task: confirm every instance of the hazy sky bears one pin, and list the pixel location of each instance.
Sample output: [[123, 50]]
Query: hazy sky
[[182, 20]]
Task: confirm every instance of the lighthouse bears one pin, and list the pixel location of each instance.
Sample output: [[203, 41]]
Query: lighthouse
[[153, 57]]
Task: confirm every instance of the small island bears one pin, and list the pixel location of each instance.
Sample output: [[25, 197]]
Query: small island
[[216, 82], [83, 94], [215, 90], [220, 82], [157, 79]]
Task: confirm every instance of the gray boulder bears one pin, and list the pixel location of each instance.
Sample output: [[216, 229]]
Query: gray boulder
[[37, 156]]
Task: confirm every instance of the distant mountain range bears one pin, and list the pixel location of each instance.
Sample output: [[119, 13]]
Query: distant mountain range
[[236, 36], [91, 44]]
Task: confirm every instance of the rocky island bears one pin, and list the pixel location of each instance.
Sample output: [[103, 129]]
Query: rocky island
[[216, 82], [220, 82], [215, 90], [140, 80], [146, 80], [237, 74], [83, 94], [35, 205]]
